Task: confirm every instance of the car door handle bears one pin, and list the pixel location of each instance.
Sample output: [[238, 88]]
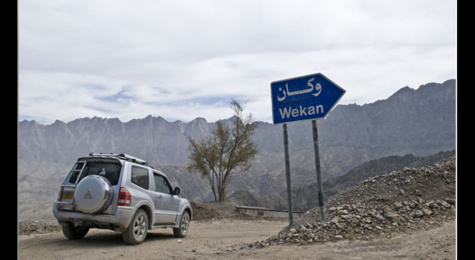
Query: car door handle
[[159, 196]]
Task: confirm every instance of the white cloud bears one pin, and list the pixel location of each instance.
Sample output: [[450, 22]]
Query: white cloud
[[186, 59]]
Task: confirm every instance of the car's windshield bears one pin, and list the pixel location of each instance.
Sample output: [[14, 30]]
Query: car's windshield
[[110, 170]]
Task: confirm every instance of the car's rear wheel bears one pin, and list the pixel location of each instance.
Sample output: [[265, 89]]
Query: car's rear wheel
[[182, 230], [137, 230], [72, 232]]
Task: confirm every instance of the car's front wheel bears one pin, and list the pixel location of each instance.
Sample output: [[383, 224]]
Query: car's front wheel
[[182, 230], [137, 230]]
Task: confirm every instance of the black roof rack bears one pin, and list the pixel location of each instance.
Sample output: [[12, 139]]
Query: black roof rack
[[121, 156]]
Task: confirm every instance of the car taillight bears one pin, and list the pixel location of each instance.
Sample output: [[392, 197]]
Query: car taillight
[[124, 197], [60, 194]]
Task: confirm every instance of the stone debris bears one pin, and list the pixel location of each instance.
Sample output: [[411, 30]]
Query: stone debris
[[37, 227], [377, 207]]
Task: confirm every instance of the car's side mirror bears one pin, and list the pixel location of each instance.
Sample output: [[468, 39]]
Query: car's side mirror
[[176, 191]]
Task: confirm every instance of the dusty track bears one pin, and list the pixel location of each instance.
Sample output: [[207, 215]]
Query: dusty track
[[229, 239]]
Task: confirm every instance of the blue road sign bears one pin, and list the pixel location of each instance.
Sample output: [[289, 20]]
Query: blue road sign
[[303, 98]]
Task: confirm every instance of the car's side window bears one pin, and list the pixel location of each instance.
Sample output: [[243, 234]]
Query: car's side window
[[161, 184], [140, 176]]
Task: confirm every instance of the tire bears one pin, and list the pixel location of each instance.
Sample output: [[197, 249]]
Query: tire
[[72, 232], [182, 230], [137, 230], [93, 194]]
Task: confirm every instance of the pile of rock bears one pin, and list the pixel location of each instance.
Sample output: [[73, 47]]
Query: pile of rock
[[37, 227], [432, 182], [379, 207]]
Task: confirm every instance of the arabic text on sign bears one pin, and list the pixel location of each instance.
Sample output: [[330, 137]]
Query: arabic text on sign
[[286, 92]]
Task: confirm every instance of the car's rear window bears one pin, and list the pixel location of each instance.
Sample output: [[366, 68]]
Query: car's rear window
[[110, 170]]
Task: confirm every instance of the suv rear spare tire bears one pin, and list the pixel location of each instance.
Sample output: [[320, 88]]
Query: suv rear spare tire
[[93, 194]]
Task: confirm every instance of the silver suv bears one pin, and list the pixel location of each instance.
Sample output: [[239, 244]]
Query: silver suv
[[122, 193]]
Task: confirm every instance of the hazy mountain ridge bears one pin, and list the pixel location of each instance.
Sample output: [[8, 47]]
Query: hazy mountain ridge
[[419, 122]]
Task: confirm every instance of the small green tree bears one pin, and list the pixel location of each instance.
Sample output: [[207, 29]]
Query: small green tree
[[227, 149]]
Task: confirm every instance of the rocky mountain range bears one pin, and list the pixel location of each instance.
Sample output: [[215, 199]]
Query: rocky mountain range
[[411, 121]]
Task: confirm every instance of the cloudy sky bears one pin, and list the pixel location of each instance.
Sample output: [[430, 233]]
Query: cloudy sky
[[186, 59]]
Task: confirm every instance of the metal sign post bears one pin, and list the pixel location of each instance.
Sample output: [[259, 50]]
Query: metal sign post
[[287, 174], [317, 168], [307, 97]]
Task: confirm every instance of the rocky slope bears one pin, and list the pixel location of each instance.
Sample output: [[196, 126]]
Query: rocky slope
[[411, 199], [305, 196]]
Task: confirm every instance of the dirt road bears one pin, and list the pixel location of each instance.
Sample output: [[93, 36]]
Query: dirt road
[[229, 239]]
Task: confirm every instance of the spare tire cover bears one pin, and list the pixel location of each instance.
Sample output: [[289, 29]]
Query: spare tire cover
[[93, 194]]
